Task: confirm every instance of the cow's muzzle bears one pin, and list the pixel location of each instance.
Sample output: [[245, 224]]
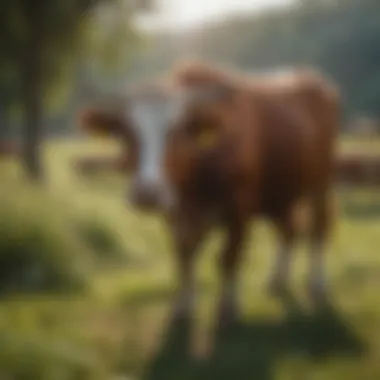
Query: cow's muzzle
[[149, 195]]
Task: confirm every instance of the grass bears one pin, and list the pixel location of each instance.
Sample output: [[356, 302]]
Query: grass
[[118, 328]]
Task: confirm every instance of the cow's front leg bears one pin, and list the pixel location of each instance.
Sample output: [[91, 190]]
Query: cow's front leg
[[321, 223], [278, 283], [230, 259], [188, 228]]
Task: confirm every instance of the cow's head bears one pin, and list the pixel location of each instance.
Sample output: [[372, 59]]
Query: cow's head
[[170, 125]]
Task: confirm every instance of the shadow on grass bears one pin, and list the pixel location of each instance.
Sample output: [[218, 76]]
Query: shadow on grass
[[250, 350]]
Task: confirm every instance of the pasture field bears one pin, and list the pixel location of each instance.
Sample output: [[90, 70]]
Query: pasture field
[[117, 327]]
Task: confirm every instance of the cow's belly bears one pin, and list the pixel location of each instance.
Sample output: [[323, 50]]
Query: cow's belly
[[278, 193]]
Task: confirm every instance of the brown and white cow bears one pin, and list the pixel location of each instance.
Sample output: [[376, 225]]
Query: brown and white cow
[[222, 148]]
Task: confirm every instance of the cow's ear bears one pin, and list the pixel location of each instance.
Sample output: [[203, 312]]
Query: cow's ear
[[102, 122]]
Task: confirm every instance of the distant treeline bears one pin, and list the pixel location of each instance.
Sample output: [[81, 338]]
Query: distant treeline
[[340, 37]]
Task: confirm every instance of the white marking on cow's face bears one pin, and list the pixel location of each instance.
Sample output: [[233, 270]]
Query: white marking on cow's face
[[153, 117]]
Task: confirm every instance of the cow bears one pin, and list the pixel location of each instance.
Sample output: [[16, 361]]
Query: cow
[[221, 148]]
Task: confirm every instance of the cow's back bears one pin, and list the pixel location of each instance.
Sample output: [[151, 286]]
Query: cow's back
[[298, 123]]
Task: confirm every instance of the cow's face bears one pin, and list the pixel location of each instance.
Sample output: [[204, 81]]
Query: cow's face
[[153, 112], [166, 125]]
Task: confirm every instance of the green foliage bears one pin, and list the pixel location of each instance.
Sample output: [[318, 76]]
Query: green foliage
[[33, 358], [101, 239], [59, 33], [46, 246], [38, 252], [110, 37]]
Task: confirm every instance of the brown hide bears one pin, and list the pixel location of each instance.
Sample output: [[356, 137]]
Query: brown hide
[[273, 146], [275, 138]]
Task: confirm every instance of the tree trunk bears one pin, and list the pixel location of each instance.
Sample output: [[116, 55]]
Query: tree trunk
[[78, 94], [32, 93], [4, 125], [33, 121]]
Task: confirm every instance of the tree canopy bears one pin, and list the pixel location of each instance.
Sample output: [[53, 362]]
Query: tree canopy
[[46, 40]]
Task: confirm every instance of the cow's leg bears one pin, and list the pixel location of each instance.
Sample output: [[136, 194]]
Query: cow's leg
[[278, 283], [230, 259], [319, 229], [188, 228]]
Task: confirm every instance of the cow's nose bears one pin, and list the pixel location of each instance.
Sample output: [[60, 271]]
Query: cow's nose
[[144, 195]]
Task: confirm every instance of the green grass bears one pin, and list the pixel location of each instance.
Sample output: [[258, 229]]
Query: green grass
[[119, 326]]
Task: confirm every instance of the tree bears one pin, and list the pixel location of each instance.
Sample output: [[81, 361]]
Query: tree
[[37, 36]]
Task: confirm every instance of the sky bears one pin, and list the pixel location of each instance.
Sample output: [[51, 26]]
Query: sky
[[190, 13]]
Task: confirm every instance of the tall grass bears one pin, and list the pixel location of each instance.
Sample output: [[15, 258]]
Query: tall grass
[[75, 237]]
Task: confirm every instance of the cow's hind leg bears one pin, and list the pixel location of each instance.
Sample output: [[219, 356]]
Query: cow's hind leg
[[320, 208], [278, 283]]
